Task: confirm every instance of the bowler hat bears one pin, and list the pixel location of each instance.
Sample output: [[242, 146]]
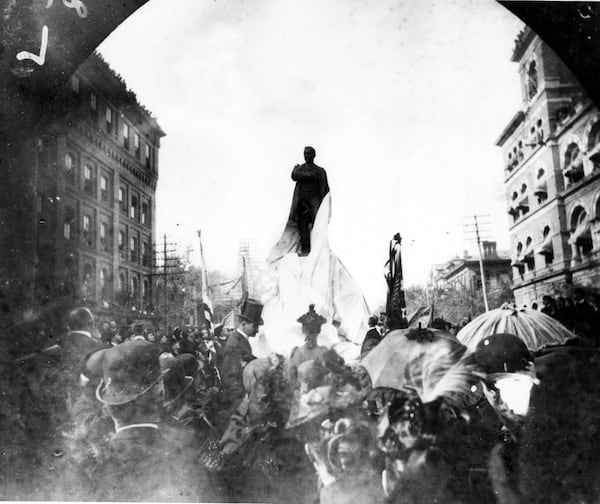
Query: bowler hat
[[252, 311], [129, 370], [502, 353]]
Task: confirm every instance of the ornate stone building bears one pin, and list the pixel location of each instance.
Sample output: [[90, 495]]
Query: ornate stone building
[[551, 151], [96, 177]]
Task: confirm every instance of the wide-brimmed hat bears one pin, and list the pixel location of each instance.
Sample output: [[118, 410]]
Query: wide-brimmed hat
[[502, 353], [311, 319], [252, 311], [129, 370], [179, 377]]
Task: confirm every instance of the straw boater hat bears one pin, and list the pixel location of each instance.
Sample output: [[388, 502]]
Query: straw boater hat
[[129, 370]]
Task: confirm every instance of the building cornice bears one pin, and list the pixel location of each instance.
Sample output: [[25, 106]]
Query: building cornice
[[513, 124]]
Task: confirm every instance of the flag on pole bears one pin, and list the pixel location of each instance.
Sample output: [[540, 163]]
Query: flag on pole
[[244, 282], [206, 307]]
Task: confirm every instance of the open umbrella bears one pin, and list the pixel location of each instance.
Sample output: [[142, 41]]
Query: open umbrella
[[392, 362], [534, 328]]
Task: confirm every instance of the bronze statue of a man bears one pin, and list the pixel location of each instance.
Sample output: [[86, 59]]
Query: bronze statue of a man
[[311, 188]]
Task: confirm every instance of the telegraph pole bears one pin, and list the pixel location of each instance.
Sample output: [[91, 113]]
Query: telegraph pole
[[167, 265], [483, 287], [476, 228], [165, 304]]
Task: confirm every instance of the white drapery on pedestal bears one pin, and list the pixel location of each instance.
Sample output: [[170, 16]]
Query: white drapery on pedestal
[[295, 282]]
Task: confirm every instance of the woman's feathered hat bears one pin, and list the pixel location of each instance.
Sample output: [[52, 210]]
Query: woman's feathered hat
[[311, 319]]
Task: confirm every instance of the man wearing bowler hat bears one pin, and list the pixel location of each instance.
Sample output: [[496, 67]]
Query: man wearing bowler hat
[[237, 352]]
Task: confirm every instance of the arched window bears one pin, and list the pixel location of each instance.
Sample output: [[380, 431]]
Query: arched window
[[146, 293], [593, 144], [122, 282], [532, 80], [573, 164], [593, 138], [104, 284], [87, 284], [540, 189], [581, 234], [546, 248]]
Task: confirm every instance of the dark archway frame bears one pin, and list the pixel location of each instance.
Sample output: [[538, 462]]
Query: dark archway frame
[[43, 42]]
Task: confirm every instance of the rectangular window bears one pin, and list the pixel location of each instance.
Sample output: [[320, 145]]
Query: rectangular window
[[94, 107], [103, 188], [136, 145], [86, 223], [69, 169], [109, 120], [144, 213], [75, 84], [88, 180], [67, 230], [133, 210], [104, 237], [147, 155], [123, 199], [126, 135], [145, 254], [133, 248]]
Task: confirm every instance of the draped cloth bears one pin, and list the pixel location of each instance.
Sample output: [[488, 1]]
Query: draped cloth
[[319, 278]]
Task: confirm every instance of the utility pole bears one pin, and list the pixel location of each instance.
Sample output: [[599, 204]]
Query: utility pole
[[475, 227], [167, 265], [165, 305]]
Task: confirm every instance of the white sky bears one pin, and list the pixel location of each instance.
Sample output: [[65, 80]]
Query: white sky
[[402, 100]]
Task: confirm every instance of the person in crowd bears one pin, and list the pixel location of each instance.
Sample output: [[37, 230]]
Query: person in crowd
[[188, 342], [105, 334], [145, 460], [237, 353], [584, 316], [549, 306], [78, 341], [138, 333], [372, 338], [311, 328], [555, 456]]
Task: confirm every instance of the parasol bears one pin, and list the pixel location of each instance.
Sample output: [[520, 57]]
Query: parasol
[[392, 362], [534, 328]]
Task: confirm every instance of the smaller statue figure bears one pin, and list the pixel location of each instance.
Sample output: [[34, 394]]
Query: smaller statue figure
[[311, 188]]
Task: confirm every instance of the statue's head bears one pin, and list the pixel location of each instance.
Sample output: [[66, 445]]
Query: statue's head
[[309, 154]]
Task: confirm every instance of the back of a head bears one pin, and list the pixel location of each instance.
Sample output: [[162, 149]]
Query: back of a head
[[373, 320], [80, 319]]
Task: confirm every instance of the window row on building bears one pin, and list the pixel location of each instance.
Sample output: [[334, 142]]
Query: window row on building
[[94, 231], [106, 118], [534, 252], [93, 281], [97, 183], [526, 144]]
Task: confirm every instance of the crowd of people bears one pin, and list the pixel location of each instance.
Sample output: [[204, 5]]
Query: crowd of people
[[115, 413]]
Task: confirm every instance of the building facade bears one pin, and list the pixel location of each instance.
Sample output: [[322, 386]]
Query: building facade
[[464, 274], [96, 177], [551, 151]]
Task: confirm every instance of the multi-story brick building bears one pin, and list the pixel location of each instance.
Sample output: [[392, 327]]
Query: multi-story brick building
[[464, 274], [551, 152], [96, 181]]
